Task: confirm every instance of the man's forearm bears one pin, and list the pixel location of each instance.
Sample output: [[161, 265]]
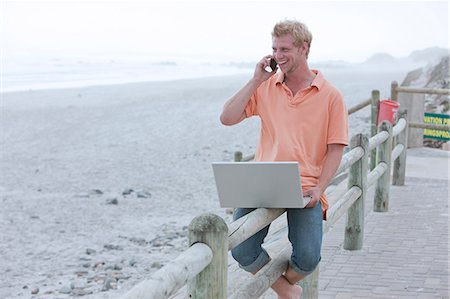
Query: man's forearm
[[331, 164], [234, 109]]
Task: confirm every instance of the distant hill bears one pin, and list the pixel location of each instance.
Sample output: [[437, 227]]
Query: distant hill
[[429, 55], [381, 58], [378, 61], [418, 58]]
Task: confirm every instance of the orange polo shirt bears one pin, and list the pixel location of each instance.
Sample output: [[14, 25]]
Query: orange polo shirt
[[299, 127]]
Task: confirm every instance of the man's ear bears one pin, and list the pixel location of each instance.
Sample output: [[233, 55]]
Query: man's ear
[[305, 47]]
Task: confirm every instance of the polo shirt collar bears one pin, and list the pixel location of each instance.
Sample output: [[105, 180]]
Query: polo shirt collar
[[318, 81]]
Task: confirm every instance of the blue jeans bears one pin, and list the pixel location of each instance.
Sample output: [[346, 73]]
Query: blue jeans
[[305, 235]]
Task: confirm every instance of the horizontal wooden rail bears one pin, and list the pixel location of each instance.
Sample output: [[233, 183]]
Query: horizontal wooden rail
[[429, 126], [173, 276], [376, 173], [349, 159], [422, 90], [192, 263], [248, 225], [378, 139], [359, 106], [398, 149], [399, 127], [262, 281], [335, 212]]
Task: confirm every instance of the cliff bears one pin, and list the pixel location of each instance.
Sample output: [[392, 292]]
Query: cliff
[[432, 76]]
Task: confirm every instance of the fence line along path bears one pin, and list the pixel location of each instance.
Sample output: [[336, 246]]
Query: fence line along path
[[204, 266]]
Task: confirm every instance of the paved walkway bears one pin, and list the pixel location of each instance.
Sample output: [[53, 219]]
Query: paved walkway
[[406, 250]]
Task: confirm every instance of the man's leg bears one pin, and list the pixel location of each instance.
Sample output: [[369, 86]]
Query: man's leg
[[249, 254], [305, 234]]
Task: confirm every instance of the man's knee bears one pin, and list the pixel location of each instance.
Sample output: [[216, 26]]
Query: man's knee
[[250, 261], [241, 256], [305, 264]]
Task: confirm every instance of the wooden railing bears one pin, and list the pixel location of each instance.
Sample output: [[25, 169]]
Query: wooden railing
[[203, 267]]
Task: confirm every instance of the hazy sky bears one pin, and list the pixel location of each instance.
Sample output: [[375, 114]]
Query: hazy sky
[[342, 30]]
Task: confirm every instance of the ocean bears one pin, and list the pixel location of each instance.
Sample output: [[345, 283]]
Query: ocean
[[21, 72]]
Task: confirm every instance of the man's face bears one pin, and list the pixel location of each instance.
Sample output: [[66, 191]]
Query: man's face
[[286, 54]]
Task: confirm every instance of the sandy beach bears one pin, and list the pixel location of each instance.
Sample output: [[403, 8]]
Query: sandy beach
[[99, 184]]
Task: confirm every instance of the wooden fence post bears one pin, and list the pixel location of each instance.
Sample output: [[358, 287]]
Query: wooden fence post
[[373, 127], [211, 230], [354, 229], [238, 156], [310, 285], [398, 176], [384, 152], [394, 92]]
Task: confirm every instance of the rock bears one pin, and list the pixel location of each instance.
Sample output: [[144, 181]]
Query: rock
[[113, 247], [65, 290], [99, 265], [127, 191], [112, 201], [108, 285], [81, 292], [132, 262], [90, 251], [114, 267], [139, 241], [77, 284], [143, 194], [156, 265], [120, 276], [34, 291], [117, 267]]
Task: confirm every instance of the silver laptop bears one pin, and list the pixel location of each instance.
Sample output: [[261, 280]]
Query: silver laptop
[[259, 185]]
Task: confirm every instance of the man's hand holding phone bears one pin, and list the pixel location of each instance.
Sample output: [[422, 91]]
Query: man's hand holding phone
[[265, 68], [272, 66]]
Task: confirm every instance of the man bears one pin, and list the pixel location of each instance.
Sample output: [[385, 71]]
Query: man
[[304, 119]]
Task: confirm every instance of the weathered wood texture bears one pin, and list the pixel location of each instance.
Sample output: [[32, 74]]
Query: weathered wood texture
[[246, 226], [212, 230], [399, 173], [375, 100], [440, 91], [173, 276], [384, 152], [359, 106], [354, 228]]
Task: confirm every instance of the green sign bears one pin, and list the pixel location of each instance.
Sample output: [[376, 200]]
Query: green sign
[[438, 119]]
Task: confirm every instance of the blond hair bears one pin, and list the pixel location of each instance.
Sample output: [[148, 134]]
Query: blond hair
[[296, 29]]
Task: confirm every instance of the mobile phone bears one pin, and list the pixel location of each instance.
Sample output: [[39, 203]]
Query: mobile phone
[[273, 64]]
